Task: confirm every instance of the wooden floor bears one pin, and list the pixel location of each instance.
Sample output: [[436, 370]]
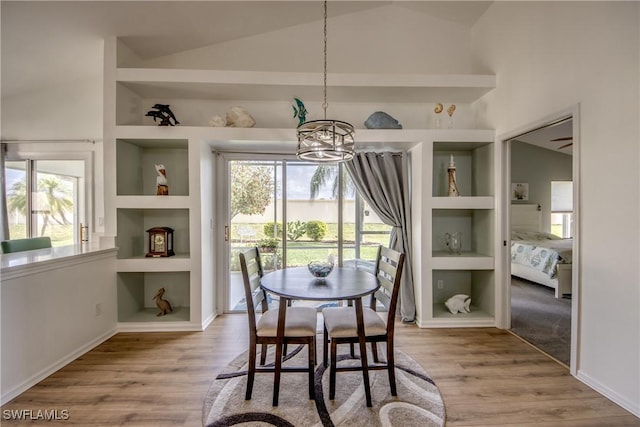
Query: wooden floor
[[487, 377]]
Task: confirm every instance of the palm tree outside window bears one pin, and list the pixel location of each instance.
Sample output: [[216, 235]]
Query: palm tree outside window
[[45, 198]]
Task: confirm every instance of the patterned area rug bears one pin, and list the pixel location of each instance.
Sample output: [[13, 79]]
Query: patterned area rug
[[418, 402]]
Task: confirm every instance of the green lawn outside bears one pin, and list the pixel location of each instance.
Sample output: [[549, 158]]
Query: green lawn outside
[[61, 235], [304, 250]]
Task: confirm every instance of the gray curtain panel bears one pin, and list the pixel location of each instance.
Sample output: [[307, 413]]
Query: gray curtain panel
[[4, 218], [382, 179]]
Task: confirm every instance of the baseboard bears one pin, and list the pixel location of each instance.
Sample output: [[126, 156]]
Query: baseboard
[[618, 399], [208, 320], [44, 373]]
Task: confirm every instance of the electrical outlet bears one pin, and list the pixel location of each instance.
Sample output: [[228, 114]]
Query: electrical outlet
[[440, 284], [98, 309]]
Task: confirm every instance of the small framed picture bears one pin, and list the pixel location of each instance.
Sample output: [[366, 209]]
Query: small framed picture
[[519, 191]]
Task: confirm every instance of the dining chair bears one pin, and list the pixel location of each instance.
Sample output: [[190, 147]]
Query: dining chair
[[28, 244], [300, 326], [340, 322]]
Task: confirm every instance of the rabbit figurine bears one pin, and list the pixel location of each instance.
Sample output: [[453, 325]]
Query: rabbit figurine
[[163, 305]]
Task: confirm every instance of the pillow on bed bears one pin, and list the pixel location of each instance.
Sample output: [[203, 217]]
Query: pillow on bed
[[532, 235]]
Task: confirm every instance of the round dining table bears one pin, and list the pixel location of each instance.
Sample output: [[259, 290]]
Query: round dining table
[[297, 283]]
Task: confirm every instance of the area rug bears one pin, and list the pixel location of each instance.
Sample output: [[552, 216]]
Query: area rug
[[418, 402]]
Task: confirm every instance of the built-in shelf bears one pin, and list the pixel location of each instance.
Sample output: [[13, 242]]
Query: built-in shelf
[[479, 284], [132, 238], [152, 202], [136, 290], [270, 86], [179, 314], [486, 202], [136, 161], [466, 260], [179, 262]]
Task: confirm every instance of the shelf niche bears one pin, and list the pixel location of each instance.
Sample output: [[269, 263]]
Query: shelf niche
[[476, 226], [474, 168], [136, 290], [478, 284], [136, 159], [132, 237]]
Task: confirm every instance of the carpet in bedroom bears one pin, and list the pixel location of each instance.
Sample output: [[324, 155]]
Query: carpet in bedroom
[[541, 319]]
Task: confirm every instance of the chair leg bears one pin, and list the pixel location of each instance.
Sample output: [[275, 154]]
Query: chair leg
[[252, 372], [374, 351], [284, 351], [312, 365], [325, 347], [391, 368], [352, 350], [332, 370], [263, 354], [276, 375]]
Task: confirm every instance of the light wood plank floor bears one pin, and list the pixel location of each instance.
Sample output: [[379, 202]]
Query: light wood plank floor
[[487, 377]]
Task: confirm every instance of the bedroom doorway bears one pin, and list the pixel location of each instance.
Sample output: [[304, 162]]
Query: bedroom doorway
[[541, 263]]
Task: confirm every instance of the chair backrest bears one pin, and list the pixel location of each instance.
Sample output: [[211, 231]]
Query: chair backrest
[[19, 245], [251, 274], [389, 264]]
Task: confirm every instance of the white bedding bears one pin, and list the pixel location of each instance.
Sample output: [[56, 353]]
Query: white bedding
[[540, 251]]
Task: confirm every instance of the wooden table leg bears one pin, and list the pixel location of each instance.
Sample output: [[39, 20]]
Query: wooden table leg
[[363, 350], [282, 314]]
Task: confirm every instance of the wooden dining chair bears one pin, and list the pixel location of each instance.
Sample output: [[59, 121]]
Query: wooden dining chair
[[300, 326], [340, 322]]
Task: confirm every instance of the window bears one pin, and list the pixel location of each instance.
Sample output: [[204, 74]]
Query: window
[[46, 198], [562, 208]]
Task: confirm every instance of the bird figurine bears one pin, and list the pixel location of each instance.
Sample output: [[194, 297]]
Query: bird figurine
[[163, 305], [300, 112]]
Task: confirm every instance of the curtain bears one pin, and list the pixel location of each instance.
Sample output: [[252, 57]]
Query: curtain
[[382, 179], [4, 218]]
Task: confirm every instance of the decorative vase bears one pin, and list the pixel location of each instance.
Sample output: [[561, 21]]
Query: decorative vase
[[454, 242]]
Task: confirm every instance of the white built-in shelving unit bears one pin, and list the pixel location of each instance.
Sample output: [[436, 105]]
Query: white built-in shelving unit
[[134, 144]]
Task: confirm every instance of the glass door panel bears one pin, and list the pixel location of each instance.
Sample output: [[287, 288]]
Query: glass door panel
[[255, 220], [313, 217]]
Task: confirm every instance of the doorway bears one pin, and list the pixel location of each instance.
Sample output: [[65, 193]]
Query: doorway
[[541, 199]]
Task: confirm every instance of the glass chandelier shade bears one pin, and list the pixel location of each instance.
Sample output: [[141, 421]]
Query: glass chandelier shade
[[324, 141]]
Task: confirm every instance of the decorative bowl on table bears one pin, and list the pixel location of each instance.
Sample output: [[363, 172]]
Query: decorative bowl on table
[[320, 269]]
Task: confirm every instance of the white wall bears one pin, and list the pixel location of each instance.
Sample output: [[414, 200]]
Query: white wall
[[547, 57], [386, 39], [538, 167]]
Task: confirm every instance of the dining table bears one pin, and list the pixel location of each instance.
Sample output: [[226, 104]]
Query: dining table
[[297, 283]]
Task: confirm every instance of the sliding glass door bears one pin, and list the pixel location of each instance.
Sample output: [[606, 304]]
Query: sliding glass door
[[296, 212]]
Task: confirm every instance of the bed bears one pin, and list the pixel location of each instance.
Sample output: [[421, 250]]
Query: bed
[[539, 256]]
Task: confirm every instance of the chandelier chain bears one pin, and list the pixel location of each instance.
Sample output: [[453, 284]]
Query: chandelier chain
[[324, 104]]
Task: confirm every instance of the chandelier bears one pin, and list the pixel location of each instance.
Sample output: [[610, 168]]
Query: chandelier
[[325, 140]]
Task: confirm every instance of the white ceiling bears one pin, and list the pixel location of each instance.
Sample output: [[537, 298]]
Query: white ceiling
[[544, 137]]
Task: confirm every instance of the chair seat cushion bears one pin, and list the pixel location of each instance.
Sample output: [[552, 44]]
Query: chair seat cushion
[[300, 322], [341, 322]]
